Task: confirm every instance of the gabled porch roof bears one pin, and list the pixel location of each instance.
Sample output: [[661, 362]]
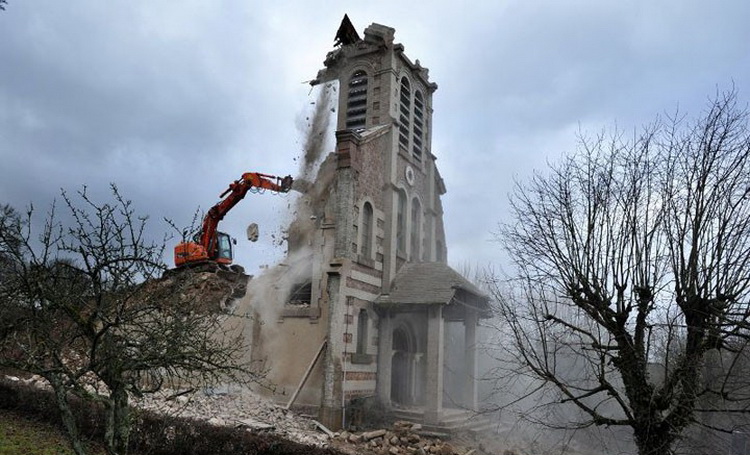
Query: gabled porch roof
[[432, 283]]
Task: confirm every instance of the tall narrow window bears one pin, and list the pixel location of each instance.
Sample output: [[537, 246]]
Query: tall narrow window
[[367, 225], [416, 227], [362, 332], [356, 106], [439, 251], [404, 113], [401, 223], [418, 133]]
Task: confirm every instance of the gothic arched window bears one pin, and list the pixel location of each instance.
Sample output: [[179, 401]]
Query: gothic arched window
[[401, 222], [416, 225], [362, 332], [367, 230]]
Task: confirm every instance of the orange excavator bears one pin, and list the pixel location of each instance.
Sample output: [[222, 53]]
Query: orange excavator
[[211, 246]]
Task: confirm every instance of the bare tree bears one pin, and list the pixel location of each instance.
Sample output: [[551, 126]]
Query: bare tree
[[632, 262], [83, 305]]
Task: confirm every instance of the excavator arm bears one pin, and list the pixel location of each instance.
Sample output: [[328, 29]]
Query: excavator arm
[[206, 245]]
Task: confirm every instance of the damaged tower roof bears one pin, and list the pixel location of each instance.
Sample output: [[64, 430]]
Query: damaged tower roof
[[346, 33]]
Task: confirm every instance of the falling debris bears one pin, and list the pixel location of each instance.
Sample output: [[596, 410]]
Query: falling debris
[[315, 140], [268, 293]]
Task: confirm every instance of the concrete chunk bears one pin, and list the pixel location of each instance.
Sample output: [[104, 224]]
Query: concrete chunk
[[254, 424], [373, 434]]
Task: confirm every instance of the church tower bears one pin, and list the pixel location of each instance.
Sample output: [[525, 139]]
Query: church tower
[[368, 318], [383, 93]]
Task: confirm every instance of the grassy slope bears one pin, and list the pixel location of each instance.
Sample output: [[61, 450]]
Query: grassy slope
[[19, 435]]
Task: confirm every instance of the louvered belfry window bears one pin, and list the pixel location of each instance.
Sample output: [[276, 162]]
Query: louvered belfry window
[[418, 132], [356, 105], [404, 113]]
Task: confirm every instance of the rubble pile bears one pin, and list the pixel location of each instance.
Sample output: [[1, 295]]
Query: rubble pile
[[239, 408], [220, 288], [404, 438], [207, 288]]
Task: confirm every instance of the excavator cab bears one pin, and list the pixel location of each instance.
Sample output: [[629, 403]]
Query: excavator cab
[[195, 253], [223, 248]]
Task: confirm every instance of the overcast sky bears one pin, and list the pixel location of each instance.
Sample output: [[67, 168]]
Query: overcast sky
[[173, 100]]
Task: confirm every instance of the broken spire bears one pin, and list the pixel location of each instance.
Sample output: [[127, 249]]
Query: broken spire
[[346, 33]]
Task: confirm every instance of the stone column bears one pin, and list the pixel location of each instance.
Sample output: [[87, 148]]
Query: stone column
[[343, 194], [470, 356], [331, 405], [419, 378], [413, 361], [385, 358], [434, 382]]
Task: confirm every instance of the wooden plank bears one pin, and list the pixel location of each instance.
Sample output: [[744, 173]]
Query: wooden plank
[[323, 428], [306, 375]]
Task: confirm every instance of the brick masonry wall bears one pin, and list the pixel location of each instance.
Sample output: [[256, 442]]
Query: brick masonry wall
[[369, 162], [361, 375]]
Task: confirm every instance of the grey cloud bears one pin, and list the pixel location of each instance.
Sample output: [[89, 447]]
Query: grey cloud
[[174, 102]]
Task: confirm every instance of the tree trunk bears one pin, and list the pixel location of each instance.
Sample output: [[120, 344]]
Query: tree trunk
[[66, 414], [118, 421], [655, 439]]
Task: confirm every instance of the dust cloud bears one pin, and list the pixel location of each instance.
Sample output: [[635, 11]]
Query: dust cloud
[[267, 293], [316, 138]]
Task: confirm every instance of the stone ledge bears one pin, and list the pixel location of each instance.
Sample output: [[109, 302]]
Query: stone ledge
[[300, 311], [361, 359]]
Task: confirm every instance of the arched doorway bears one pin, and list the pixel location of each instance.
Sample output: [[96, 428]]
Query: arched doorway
[[406, 388]]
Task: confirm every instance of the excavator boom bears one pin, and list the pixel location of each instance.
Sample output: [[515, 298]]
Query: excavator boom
[[211, 245]]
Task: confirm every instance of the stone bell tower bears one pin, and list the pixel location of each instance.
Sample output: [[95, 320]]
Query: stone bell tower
[[379, 294]]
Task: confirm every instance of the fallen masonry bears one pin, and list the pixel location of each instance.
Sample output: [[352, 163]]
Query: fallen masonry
[[242, 408], [403, 438], [207, 288], [239, 408]]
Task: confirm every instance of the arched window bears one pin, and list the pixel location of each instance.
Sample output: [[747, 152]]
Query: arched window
[[401, 223], [439, 256], [405, 112], [418, 133], [362, 332], [416, 227], [365, 248], [356, 106]]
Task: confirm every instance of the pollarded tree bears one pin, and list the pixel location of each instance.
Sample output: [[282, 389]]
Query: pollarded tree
[[632, 262], [83, 304]]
